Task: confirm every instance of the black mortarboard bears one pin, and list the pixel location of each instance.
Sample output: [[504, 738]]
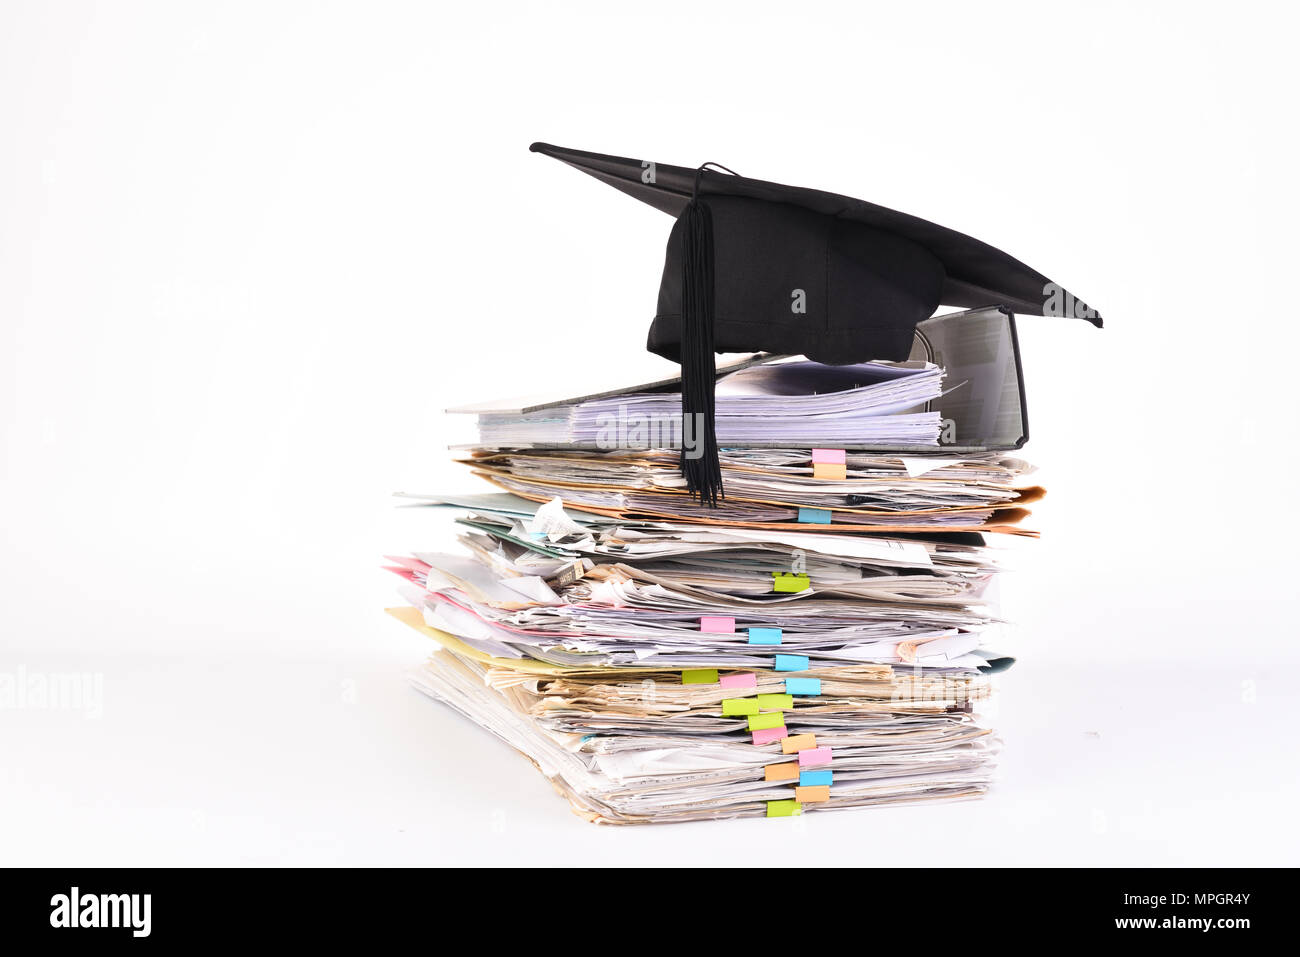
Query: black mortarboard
[[761, 267]]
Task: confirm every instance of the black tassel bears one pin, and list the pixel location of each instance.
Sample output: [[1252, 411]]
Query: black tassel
[[699, 372]]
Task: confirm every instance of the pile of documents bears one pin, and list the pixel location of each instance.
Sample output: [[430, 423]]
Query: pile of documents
[[815, 642]]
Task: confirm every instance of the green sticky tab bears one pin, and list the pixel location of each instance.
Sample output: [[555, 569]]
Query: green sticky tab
[[786, 581], [700, 676], [775, 702], [783, 808], [771, 719], [737, 706]]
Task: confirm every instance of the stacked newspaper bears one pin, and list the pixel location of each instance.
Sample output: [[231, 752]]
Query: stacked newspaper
[[816, 642]]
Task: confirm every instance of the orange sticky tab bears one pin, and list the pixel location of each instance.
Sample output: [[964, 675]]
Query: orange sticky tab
[[812, 795], [789, 771], [797, 742], [825, 470]]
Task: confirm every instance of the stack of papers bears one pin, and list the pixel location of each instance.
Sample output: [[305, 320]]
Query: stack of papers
[[772, 487], [816, 642], [789, 401]]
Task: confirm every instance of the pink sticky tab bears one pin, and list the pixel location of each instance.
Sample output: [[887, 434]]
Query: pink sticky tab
[[768, 735], [814, 757], [828, 456], [715, 625], [743, 680]]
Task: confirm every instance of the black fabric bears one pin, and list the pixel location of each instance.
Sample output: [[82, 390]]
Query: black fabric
[[975, 273], [694, 269], [792, 281]]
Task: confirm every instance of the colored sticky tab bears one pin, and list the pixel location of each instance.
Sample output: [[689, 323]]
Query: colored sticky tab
[[746, 679], [815, 516], [828, 456], [785, 771], [765, 636], [716, 625], [700, 676], [768, 735], [798, 742], [791, 663], [775, 702], [737, 706], [769, 719], [816, 779], [789, 582], [812, 757], [783, 808], [822, 470], [812, 795], [803, 686]]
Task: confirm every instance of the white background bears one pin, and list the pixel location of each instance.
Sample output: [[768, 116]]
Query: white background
[[250, 251]]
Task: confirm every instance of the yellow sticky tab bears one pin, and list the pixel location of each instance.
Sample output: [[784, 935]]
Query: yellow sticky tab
[[789, 771], [798, 742], [783, 808], [700, 676], [775, 702], [738, 706], [787, 582], [773, 719], [825, 470], [813, 795]]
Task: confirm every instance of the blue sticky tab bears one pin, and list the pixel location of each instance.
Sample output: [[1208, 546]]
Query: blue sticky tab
[[803, 685], [812, 779], [791, 662], [765, 636], [815, 516]]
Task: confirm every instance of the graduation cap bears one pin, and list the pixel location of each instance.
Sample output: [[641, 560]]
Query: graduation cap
[[754, 266]]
